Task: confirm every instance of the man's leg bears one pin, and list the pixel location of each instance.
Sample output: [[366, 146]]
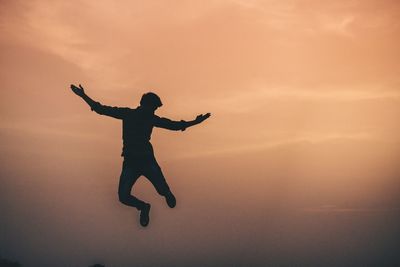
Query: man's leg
[[127, 179], [153, 172], [129, 176]]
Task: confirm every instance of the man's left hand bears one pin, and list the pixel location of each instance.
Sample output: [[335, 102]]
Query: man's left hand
[[202, 117]]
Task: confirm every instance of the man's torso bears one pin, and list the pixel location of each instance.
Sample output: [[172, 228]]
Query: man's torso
[[137, 127]]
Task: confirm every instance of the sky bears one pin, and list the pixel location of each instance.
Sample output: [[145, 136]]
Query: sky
[[298, 165]]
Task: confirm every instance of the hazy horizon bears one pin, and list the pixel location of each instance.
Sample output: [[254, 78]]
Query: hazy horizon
[[298, 165]]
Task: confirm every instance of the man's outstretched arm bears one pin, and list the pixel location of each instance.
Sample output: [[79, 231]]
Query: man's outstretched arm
[[179, 125], [79, 91], [114, 112]]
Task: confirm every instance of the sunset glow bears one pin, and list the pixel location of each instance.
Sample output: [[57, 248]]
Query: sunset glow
[[298, 165]]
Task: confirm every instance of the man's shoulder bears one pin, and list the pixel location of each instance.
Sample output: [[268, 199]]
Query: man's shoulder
[[127, 110]]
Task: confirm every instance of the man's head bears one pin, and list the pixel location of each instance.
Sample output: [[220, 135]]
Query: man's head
[[150, 101]]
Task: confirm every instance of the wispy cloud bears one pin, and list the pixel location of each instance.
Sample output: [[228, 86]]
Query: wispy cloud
[[309, 138], [339, 25], [244, 102], [341, 209]]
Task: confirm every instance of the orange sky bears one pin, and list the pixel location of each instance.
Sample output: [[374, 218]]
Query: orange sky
[[298, 164]]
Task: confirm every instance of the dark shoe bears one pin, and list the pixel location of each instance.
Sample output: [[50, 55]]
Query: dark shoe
[[144, 215], [171, 200]]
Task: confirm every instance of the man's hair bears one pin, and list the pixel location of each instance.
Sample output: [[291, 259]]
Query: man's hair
[[151, 99]]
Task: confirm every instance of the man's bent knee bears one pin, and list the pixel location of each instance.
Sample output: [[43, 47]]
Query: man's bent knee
[[129, 200], [123, 198]]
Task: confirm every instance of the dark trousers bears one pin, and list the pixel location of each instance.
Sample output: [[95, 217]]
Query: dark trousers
[[134, 167]]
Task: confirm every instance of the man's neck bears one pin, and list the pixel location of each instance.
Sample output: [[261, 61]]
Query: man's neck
[[146, 110]]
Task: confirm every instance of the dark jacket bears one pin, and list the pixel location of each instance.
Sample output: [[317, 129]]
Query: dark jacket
[[137, 126]]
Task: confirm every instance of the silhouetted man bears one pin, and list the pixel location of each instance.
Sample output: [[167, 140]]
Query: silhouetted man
[[137, 125]]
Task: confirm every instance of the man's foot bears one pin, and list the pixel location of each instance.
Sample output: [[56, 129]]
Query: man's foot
[[144, 215], [171, 200]]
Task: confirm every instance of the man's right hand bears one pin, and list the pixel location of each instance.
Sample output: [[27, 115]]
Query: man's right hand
[[78, 90]]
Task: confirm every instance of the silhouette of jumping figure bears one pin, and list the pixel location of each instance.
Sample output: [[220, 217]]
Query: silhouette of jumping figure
[[139, 159]]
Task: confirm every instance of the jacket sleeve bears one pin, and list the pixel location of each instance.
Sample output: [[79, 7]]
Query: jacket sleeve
[[169, 124], [115, 112]]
